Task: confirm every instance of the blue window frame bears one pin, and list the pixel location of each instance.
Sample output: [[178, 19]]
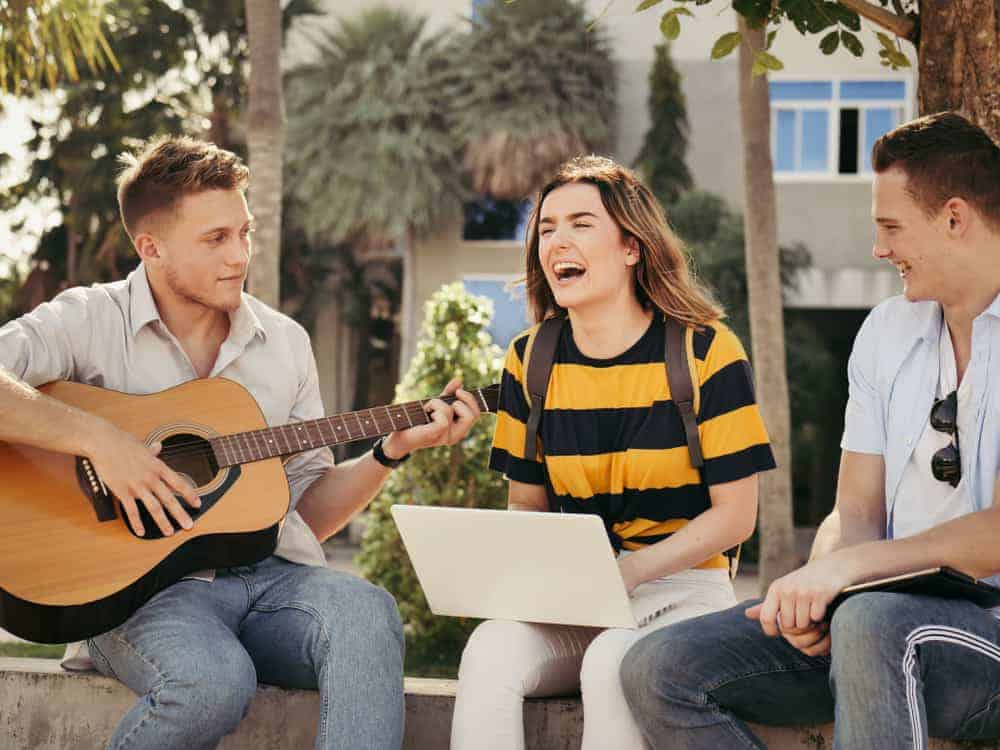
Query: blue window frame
[[510, 306], [828, 127]]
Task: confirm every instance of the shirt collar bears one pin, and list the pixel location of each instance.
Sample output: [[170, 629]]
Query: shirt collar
[[244, 322], [927, 323], [142, 306], [994, 308]]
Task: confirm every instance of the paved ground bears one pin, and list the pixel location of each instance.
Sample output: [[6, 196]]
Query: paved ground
[[340, 556]]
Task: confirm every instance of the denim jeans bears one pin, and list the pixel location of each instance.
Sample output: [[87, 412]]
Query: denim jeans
[[195, 652], [902, 668]]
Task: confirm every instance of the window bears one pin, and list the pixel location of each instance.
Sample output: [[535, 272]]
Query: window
[[491, 219], [510, 305], [828, 127]]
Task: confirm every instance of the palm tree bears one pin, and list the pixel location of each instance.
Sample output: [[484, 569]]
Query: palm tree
[[375, 163], [265, 143], [536, 87], [44, 41]]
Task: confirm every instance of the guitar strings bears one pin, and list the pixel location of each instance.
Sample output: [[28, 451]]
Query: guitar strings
[[203, 447]]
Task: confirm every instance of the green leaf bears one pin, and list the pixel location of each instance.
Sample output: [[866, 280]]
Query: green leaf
[[725, 44], [898, 60], [646, 5], [670, 26], [886, 40], [852, 43], [768, 61], [758, 70], [770, 39], [830, 42], [683, 12], [847, 17]]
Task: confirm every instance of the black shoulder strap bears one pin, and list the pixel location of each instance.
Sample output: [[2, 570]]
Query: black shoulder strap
[[681, 387], [682, 394], [541, 356]]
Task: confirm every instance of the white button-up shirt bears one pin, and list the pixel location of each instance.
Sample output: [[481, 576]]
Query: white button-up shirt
[[111, 335], [893, 373]]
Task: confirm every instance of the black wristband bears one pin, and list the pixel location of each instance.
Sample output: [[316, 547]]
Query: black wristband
[[379, 455]]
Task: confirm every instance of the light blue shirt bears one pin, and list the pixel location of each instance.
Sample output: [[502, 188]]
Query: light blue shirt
[[893, 374]]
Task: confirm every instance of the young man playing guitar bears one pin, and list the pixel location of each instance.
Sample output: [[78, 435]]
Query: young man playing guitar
[[195, 652]]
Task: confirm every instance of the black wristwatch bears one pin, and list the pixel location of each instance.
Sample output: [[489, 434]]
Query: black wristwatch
[[379, 455]]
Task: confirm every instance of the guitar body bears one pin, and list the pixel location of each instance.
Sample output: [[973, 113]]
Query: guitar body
[[66, 575]]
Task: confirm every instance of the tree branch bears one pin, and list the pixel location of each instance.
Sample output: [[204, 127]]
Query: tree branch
[[901, 26]]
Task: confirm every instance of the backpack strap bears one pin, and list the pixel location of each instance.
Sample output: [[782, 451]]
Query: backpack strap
[[679, 355], [541, 353], [682, 386]]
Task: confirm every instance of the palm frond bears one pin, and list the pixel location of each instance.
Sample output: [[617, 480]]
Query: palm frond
[[44, 41], [370, 153], [536, 87]]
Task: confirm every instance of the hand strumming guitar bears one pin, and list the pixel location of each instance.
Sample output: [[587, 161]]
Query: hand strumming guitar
[[132, 472]]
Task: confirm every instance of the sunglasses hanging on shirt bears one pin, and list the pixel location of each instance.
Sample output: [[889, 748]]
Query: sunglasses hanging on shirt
[[946, 464]]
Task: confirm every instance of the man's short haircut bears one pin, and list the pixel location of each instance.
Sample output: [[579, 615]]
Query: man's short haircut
[[169, 168], [944, 156]]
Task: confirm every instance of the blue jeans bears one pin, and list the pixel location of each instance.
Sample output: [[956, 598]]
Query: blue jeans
[[195, 652], [902, 667]]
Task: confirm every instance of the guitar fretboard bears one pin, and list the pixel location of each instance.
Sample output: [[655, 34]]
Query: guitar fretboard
[[272, 442]]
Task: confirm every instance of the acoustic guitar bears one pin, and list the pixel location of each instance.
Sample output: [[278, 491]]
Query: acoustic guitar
[[70, 564]]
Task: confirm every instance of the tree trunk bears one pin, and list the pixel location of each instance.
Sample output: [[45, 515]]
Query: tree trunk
[[777, 544], [218, 132], [265, 143], [959, 60], [407, 304]]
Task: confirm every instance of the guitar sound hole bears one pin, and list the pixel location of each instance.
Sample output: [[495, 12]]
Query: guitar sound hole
[[192, 457]]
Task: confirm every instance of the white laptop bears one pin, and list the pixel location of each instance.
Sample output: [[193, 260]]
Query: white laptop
[[518, 565]]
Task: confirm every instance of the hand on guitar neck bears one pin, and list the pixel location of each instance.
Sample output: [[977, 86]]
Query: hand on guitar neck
[[440, 430]]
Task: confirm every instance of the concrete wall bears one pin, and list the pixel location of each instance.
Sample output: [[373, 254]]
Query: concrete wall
[[44, 708]]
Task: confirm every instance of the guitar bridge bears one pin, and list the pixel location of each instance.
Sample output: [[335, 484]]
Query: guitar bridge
[[93, 487]]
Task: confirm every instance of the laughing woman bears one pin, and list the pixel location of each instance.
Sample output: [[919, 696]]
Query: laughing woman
[[601, 255]]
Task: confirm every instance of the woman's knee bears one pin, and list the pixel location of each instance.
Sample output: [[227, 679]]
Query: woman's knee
[[499, 652], [602, 661]]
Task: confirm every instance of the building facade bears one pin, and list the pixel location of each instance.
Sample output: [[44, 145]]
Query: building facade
[[826, 112]]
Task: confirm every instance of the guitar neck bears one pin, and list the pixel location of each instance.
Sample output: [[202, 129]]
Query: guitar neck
[[273, 442]]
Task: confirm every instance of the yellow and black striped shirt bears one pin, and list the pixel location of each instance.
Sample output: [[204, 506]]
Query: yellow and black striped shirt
[[613, 442]]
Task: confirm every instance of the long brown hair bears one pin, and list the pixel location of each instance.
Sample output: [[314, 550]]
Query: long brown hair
[[663, 278]]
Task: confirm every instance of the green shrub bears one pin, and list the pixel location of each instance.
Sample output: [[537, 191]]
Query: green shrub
[[453, 342]]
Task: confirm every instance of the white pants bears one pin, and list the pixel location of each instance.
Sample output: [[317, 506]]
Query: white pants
[[505, 662]]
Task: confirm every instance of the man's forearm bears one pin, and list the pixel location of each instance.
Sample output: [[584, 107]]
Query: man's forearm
[[967, 543], [32, 418], [329, 503], [838, 532]]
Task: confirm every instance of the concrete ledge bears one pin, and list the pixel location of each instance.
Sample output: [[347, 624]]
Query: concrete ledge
[[44, 708]]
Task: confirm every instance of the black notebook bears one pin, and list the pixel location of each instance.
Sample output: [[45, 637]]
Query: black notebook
[[942, 581]]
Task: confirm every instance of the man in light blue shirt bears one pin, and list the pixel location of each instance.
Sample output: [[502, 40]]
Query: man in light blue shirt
[[916, 489]]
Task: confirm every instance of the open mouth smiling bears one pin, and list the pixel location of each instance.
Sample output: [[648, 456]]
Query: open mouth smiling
[[567, 270]]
